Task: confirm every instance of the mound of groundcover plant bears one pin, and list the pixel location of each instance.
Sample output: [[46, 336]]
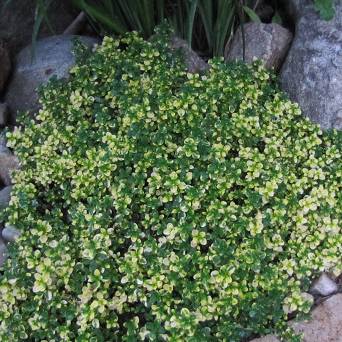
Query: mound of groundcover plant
[[157, 205]]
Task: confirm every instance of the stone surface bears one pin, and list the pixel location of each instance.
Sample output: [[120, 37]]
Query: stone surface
[[268, 42], [53, 57], [312, 71], [10, 234], [324, 286], [8, 163], [5, 196], [3, 252], [295, 8], [193, 62], [4, 114], [5, 65], [325, 324], [18, 16], [3, 142]]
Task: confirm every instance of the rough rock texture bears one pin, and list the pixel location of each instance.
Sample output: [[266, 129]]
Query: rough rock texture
[[5, 65], [325, 324], [53, 57], [5, 196], [17, 21], [3, 142], [193, 62], [3, 114], [10, 234], [8, 163], [268, 42], [312, 71], [324, 286], [295, 8], [3, 252]]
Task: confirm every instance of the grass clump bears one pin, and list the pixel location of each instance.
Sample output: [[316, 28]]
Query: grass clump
[[159, 205]]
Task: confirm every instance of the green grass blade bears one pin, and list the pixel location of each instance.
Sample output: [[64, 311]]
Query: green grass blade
[[190, 21], [240, 12], [108, 5], [148, 16], [129, 15], [40, 13], [177, 18], [225, 13], [252, 15], [160, 10], [101, 16], [206, 13], [225, 28]]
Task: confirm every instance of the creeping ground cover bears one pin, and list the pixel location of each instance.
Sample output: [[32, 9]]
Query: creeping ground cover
[[157, 205]]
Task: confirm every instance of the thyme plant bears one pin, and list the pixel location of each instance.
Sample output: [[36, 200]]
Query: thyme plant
[[157, 205]]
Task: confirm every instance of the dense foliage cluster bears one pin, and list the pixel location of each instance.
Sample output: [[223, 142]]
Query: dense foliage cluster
[[159, 205]]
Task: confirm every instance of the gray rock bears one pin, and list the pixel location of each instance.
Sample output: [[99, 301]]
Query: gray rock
[[4, 114], [312, 72], [193, 62], [8, 163], [53, 57], [18, 19], [5, 196], [324, 286], [296, 8], [323, 326], [3, 252], [10, 234], [268, 42], [325, 323], [5, 65], [3, 142]]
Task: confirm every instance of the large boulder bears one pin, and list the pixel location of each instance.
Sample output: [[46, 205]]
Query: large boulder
[[53, 57], [5, 64], [268, 42], [312, 71], [18, 19]]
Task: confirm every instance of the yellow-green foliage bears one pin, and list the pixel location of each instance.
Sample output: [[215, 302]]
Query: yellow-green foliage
[[163, 206]]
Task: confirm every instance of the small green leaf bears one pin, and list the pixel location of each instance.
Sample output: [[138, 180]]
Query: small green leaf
[[325, 9], [276, 19], [252, 15]]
